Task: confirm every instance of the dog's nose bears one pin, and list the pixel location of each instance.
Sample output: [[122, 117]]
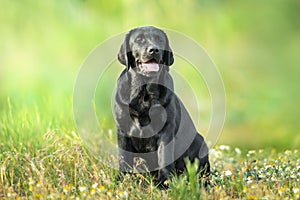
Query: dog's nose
[[153, 50]]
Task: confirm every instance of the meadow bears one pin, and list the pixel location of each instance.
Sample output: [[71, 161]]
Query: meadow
[[255, 46], [57, 166]]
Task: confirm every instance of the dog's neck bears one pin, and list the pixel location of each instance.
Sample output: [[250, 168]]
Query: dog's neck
[[139, 84]]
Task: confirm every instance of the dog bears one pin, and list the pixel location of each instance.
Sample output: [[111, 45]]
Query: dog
[[152, 122]]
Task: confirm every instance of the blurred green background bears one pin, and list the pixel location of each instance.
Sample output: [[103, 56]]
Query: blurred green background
[[255, 45]]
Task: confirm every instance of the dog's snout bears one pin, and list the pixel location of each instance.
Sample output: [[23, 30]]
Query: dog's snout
[[152, 50]]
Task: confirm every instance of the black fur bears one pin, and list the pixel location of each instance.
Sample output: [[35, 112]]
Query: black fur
[[145, 100]]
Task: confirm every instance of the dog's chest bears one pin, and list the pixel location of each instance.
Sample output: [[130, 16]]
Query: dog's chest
[[146, 94], [142, 99], [145, 145]]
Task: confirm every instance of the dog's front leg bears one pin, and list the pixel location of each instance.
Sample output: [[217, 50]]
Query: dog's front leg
[[125, 153], [165, 158]]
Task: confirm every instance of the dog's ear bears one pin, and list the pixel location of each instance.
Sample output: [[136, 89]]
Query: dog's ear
[[168, 58], [125, 56]]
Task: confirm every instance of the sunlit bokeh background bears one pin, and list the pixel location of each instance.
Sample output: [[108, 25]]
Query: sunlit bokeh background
[[255, 45]]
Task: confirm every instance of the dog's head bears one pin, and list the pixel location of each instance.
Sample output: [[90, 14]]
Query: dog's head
[[146, 50]]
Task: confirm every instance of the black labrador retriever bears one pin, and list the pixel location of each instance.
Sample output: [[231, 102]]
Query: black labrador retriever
[[152, 123]]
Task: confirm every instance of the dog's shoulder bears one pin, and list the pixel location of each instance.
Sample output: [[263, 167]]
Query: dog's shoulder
[[168, 81], [123, 76], [123, 86]]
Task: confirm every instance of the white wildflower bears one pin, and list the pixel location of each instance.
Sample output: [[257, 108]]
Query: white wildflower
[[95, 185], [123, 194], [224, 147], [249, 179], [216, 153], [82, 188], [228, 173], [296, 190], [238, 151], [293, 176], [262, 176], [250, 152]]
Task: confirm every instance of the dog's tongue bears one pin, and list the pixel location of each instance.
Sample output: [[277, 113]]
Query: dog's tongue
[[150, 67]]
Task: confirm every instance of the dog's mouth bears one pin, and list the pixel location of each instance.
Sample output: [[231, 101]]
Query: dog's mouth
[[149, 66]]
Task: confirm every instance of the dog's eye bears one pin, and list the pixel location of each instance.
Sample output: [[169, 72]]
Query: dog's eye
[[140, 39]]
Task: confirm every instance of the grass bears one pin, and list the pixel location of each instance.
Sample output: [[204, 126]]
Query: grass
[[41, 157]]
